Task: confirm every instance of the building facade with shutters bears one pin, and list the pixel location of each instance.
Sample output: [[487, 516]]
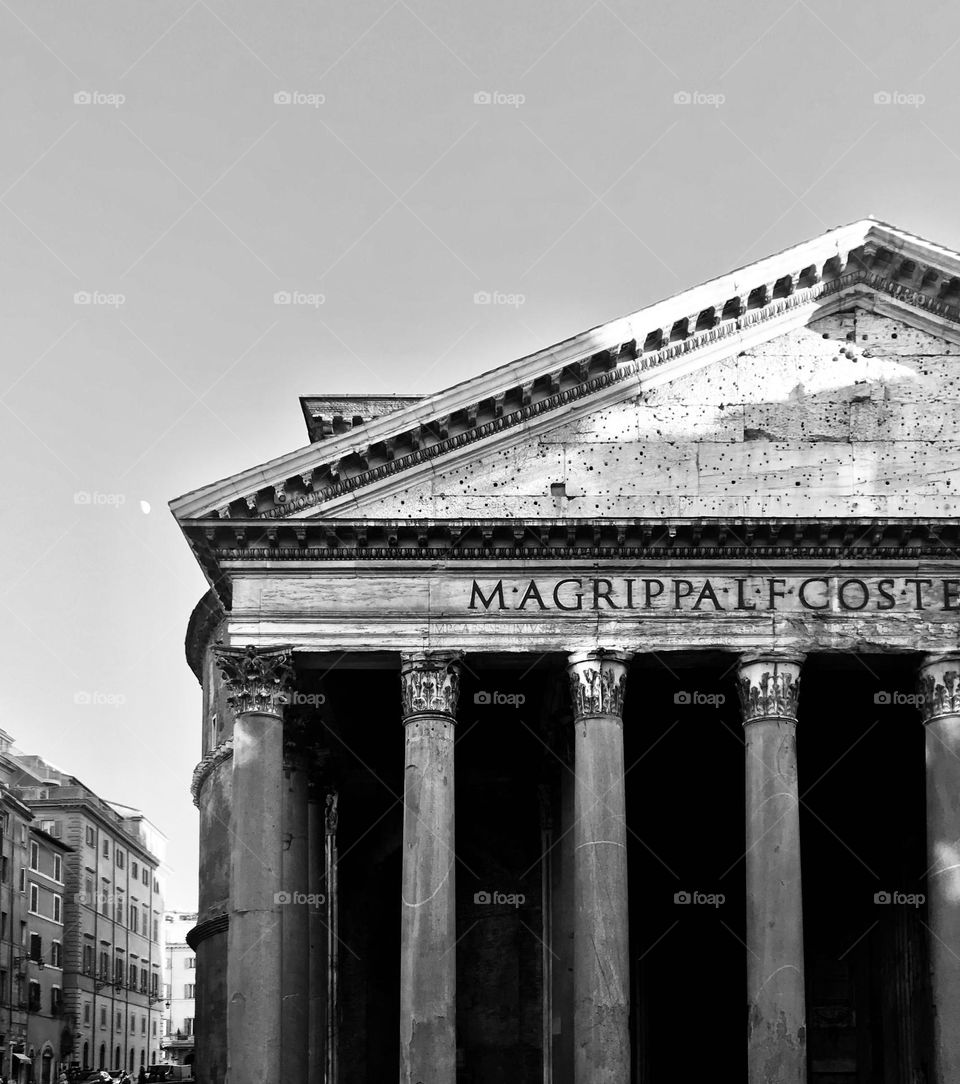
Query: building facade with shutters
[[602, 710], [84, 921], [180, 984]]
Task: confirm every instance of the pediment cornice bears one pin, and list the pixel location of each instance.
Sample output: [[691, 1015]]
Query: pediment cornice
[[900, 272]]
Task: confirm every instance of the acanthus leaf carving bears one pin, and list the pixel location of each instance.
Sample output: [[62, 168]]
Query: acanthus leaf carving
[[258, 680], [598, 683], [430, 684], [769, 689]]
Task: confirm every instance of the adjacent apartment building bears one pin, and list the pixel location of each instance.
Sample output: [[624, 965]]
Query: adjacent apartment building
[[81, 928], [180, 978]]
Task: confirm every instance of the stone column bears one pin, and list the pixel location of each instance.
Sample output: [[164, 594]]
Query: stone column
[[776, 1023], [601, 960], [940, 707], [430, 687], [295, 918], [259, 683], [317, 933]]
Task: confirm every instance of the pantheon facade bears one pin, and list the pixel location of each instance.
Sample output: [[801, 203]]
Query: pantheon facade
[[597, 719]]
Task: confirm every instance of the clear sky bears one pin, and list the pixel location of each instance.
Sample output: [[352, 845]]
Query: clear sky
[[573, 161]]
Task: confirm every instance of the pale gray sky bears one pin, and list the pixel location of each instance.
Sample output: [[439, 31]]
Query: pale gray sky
[[580, 190]]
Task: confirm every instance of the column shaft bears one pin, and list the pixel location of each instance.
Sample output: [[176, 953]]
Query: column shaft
[[776, 1022], [601, 969], [260, 683], [295, 918], [940, 688], [317, 933], [428, 915]]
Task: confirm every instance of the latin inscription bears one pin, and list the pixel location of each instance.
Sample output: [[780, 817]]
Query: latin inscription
[[832, 593]]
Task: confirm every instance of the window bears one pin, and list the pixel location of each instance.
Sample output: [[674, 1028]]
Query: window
[[156, 885], [134, 871], [133, 976], [134, 917], [23, 835], [34, 898], [106, 848], [154, 1029], [88, 892], [118, 972], [3, 925], [91, 838], [105, 965], [133, 1023], [188, 1025], [36, 947], [154, 983], [105, 897], [156, 929], [23, 933], [56, 954], [188, 989], [103, 1020], [4, 869], [119, 858], [119, 909], [86, 1012], [57, 908], [88, 959], [190, 961], [146, 920], [119, 1024], [144, 979], [34, 1003], [23, 879], [56, 1001], [34, 855], [143, 1025], [146, 876], [58, 868]]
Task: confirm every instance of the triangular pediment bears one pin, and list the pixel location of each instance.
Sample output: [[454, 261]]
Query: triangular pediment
[[618, 420]]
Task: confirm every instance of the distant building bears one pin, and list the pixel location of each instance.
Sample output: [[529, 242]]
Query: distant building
[[81, 905], [179, 977]]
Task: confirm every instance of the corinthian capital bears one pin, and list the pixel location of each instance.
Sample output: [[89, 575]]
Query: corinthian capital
[[259, 681], [769, 687], [939, 682], [430, 683], [598, 682]]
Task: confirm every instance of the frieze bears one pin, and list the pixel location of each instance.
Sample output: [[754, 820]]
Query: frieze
[[430, 684], [598, 683], [259, 681]]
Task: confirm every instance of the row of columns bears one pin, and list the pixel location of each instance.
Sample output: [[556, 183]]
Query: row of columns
[[277, 1005]]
